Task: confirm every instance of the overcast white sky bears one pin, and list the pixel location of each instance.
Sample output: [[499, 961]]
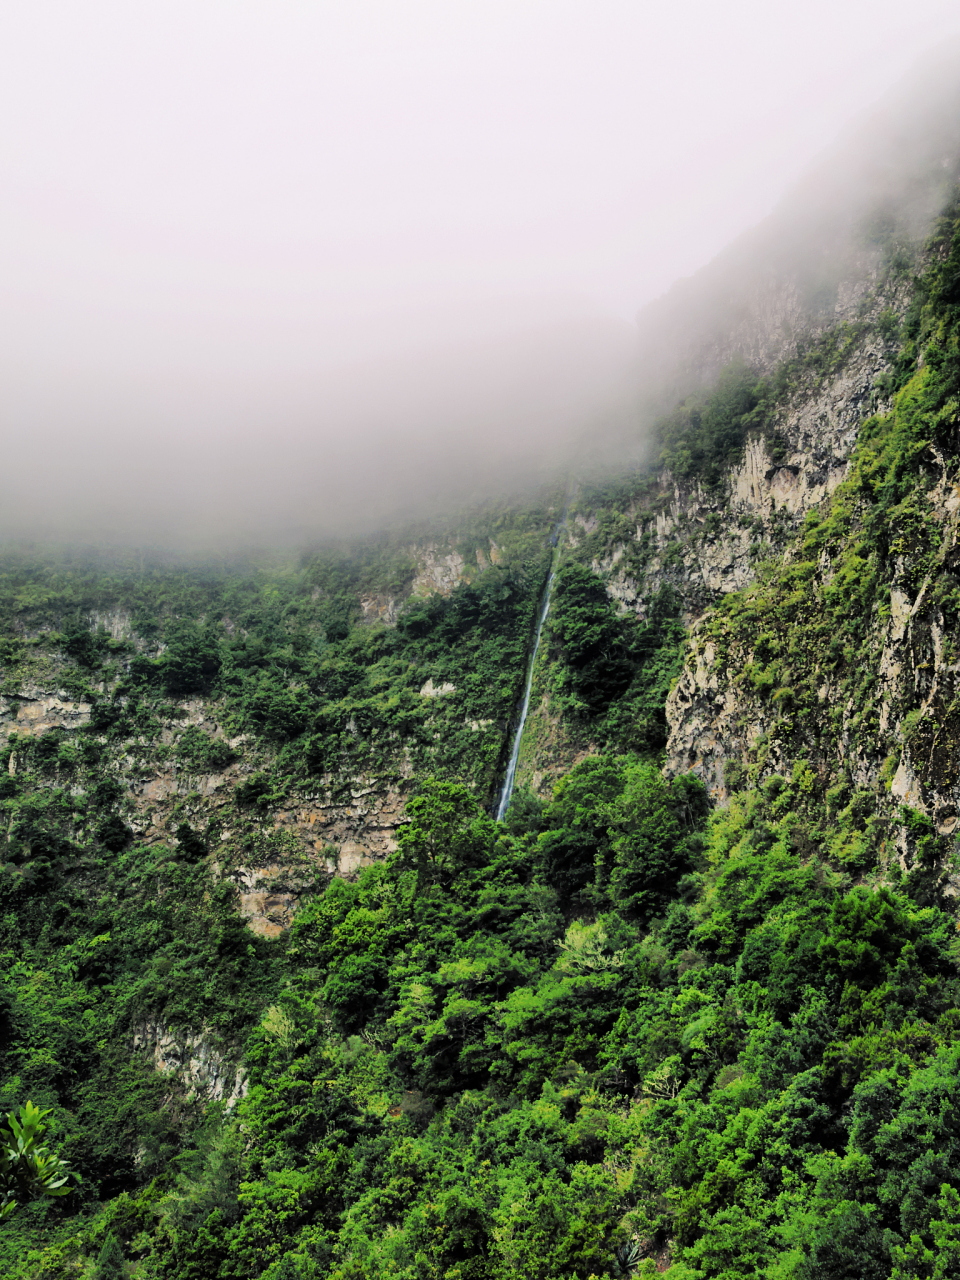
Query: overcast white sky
[[234, 232]]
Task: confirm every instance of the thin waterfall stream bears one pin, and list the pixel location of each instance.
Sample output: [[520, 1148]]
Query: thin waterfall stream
[[511, 774]]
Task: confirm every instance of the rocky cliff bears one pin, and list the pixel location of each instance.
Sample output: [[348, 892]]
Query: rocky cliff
[[703, 536], [840, 663], [180, 764]]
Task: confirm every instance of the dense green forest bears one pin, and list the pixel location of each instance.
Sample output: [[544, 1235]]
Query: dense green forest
[[624, 1032]]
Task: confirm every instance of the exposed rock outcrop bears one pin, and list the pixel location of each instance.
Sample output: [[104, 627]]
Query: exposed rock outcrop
[[341, 824], [32, 711], [705, 544], [380, 608], [431, 690], [438, 571], [192, 1061]]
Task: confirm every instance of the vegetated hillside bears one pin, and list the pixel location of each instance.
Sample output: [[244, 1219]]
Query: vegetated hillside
[[627, 1031]]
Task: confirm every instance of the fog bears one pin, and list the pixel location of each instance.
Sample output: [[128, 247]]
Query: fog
[[272, 272]]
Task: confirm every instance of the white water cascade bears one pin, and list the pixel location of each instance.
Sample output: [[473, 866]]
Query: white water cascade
[[511, 773]]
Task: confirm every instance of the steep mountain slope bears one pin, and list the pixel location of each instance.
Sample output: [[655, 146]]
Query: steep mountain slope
[[303, 1009], [843, 657], [739, 468]]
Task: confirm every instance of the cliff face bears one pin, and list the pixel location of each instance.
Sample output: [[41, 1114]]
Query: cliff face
[[904, 750], [841, 662], [335, 825], [701, 533], [199, 761], [708, 543], [760, 512]]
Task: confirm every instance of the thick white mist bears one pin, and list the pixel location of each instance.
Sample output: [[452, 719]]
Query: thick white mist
[[271, 270]]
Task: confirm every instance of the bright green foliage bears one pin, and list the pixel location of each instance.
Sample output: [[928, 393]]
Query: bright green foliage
[[584, 624], [28, 1168], [653, 826], [617, 831], [456, 1079]]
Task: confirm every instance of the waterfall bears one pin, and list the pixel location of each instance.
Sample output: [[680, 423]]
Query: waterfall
[[511, 773]]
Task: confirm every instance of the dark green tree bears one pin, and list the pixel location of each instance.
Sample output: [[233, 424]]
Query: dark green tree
[[109, 1264], [448, 833]]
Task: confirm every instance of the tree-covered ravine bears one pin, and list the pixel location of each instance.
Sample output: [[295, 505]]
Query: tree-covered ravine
[[296, 1005]]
